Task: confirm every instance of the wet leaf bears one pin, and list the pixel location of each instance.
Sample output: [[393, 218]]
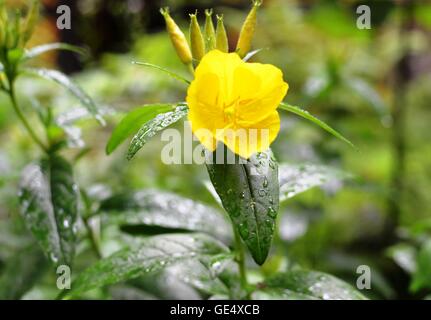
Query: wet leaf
[[71, 86], [152, 127], [315, 284], [38, 50], [166, 210], [202, 274], [48, 200], [21, 272], [131, 123], [249, 192], [279, 294], [295, 179], [147, 255]]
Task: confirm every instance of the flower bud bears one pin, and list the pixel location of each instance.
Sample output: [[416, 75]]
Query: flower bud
[[247, 30], [196, 38], [3, 22], [178, 38], [30, 22], [222, 42], [210, 36]]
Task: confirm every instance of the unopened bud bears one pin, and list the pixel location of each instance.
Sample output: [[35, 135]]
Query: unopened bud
[[178, 38], [247, 30], [222, 42], [196, 38], [30, 22], [210, 36]]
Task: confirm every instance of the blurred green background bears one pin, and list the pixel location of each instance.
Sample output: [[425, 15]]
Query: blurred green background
[[374, 86]]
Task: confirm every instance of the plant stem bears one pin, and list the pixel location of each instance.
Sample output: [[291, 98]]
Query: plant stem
[[21, 116], [93, 239], [240, 259]]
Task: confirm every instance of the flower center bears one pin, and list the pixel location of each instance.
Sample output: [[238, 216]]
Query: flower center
[[229, 111]]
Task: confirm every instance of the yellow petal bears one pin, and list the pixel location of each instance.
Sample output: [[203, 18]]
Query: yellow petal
[[235, 102], [255, 138], [223, 65], [266, 98], [204, 114]]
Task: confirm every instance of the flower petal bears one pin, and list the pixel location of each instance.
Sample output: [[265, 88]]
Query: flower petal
[[255, 138], [266, 98]]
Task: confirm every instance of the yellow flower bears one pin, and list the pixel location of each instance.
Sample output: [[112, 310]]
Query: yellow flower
[[231, 100]]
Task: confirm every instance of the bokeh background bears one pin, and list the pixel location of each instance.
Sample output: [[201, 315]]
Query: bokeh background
[[374, 86]]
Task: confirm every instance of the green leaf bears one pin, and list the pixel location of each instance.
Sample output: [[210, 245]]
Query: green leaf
[[146, 256], [249, 192], [422, 276], [38, 50], [133, 121], [404, 255], [71, 86], [21, 272], [279, 294], [150, 129], [166, 210], [48, 200], [203, 274], [315, 284], [251, 54], [295, 179], [168, 72], [306, 115]]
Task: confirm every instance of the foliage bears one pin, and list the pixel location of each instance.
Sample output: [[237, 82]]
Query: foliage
[[297, 229]]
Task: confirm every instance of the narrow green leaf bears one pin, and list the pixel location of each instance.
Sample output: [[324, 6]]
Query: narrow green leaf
[[168, 72], [251, 54], [167, 210], [38, 50], [70, 85], [306, 115], [48, 199], [146, 256], [152, 127], [315, 284], [133, 121], [21, 272], [249, 192], [295, 179]]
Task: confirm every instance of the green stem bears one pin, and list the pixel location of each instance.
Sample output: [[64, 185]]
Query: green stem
[[191, 68], [93, 239], [21, 116], [240, 260]]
